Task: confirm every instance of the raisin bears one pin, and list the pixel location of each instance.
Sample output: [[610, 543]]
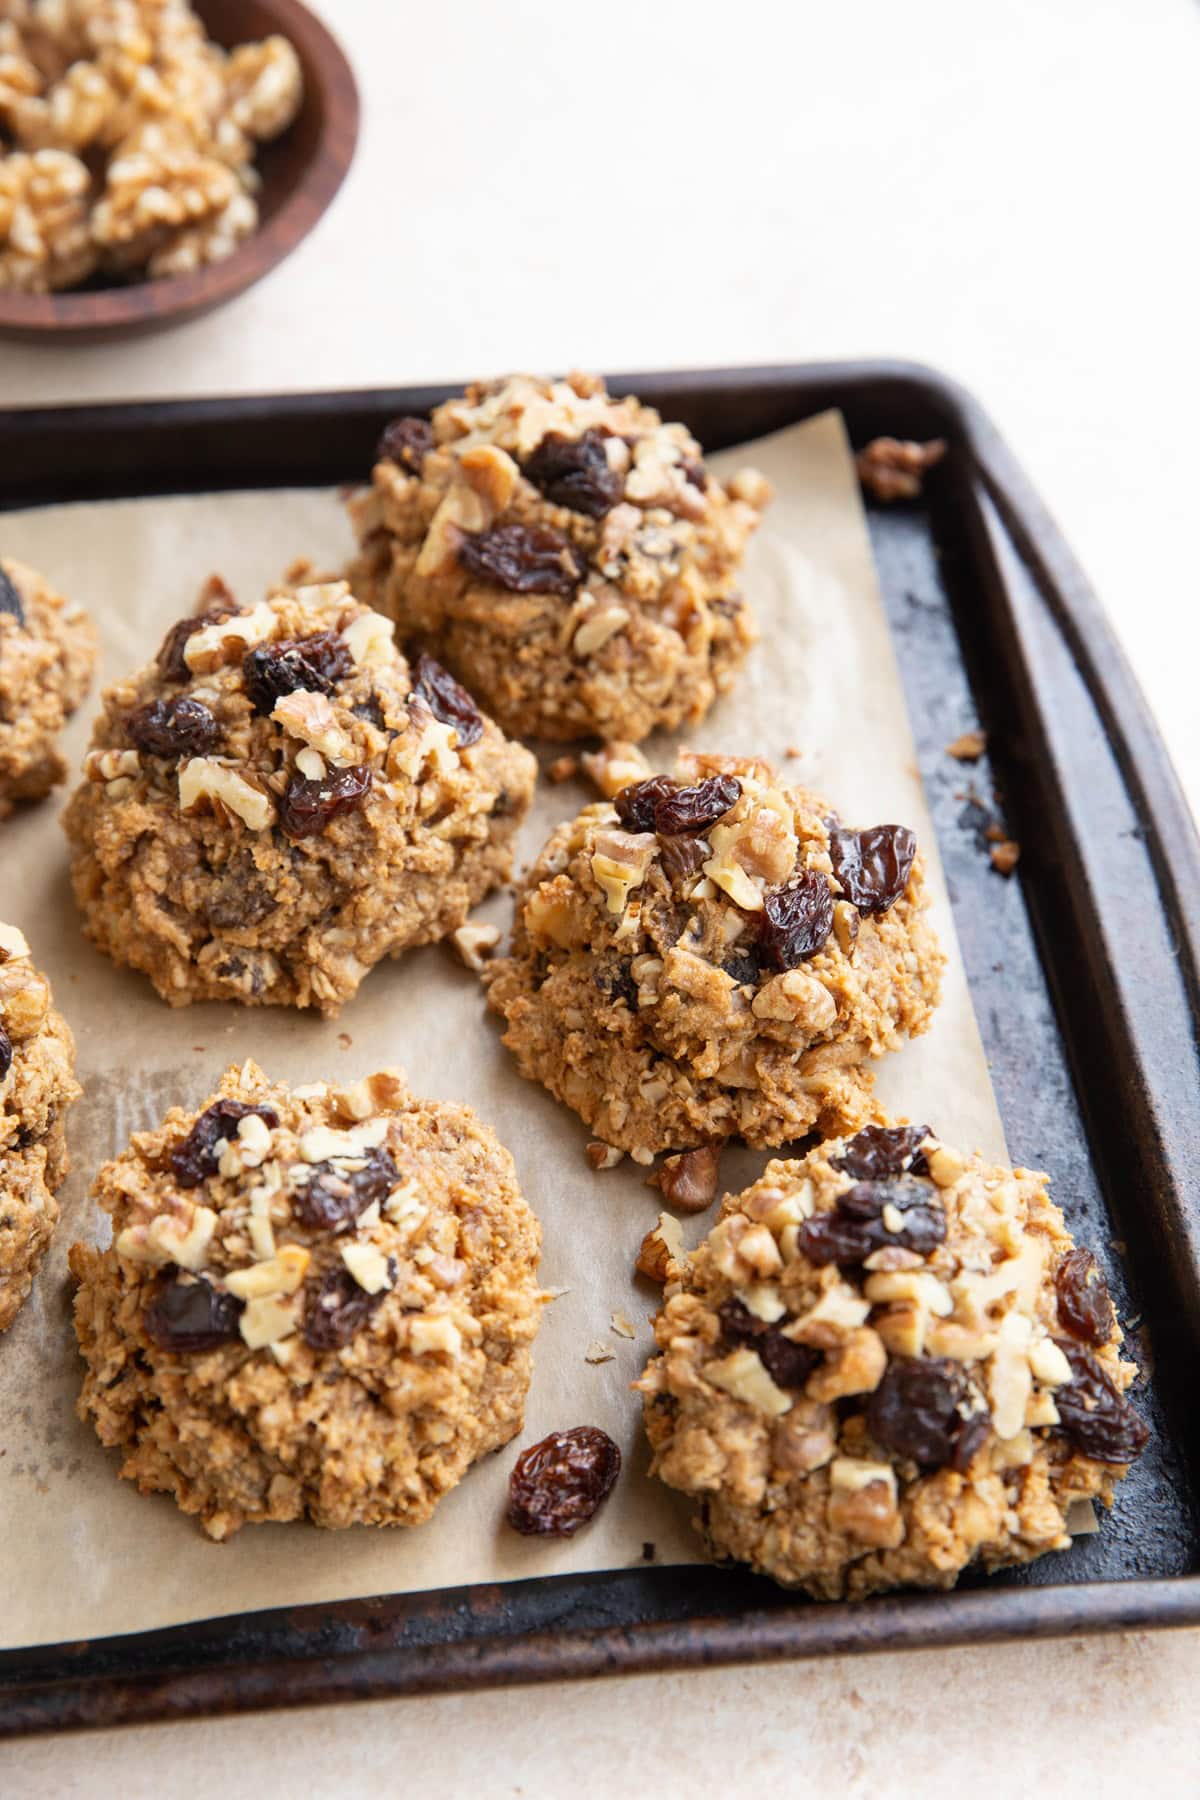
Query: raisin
[[617, 983], [172, 728], [525, 559], [882, 1150], [448, 701], [744, 966], [371, 710], [308, 806], [330, 1197], [556, 1486], [187, 1316], [1093, 1416], [337, 1310], [687, 811], [1084, 1303], [789, 1365], [796, 920], [172, 663], [854, 1227], [315, 664], [10, 599], [873, 866], [681, 858], [575, 472], [406, 441], [925, 1408], [198, 1155], [6, 1053], [636, 804]]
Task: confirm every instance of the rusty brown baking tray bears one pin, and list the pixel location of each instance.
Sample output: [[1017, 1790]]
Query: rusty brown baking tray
[[1083, 969]]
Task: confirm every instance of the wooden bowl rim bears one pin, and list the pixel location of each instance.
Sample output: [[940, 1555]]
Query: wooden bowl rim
[[185, 296]]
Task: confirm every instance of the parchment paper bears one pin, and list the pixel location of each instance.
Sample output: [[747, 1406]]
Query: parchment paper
[[83, 1554]]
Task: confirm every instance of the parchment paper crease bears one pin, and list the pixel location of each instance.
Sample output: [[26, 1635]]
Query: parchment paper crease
[[83, 1554]]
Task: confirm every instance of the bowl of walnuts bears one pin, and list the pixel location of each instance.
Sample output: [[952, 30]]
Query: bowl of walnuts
[[157, 157]]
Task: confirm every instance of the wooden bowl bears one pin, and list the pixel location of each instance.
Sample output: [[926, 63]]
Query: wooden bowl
[[301, 172]]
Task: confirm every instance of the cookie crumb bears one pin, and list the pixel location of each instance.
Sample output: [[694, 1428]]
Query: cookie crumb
[[793, 750], [648, 1552], [895, 468], [969, 747], [621, 1325], [563, 768], [598, 1352], [344, 1040], [1005, 855]]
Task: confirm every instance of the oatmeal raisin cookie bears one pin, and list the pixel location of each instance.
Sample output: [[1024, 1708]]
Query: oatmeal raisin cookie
[[564, 553], [886, 1362], [37, 1085], [47, 654], [713, 955], [280, 800], [319, 1303]]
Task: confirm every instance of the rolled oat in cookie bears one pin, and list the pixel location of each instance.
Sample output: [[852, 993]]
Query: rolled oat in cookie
[[280, 799], [712, 955], [319, 1303], [888, 1361], [565, 553], [47, 654], [37, 1086]]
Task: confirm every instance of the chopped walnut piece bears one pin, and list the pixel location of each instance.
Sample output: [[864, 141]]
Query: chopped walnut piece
[[1005, 855], [202, 778], [895, 468], [969, 747], [690, 1179], [475, 943], [661, 1246], [615, 766]]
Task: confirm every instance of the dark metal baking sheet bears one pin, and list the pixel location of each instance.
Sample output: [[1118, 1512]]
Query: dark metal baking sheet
[[1083, 969]]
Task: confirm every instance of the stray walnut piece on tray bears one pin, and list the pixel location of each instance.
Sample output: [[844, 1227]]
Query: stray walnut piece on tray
[[885, 1362], [47, 654], [37, 1085], [712, 955], [564, 553], [133, 139], [319, 1303], [280, 800]]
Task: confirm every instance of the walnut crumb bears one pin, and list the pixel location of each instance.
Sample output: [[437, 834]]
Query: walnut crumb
[[475, 943], [969, 747], [603, 1156], [895, 469], [621, 1325], [689, 1180], [1005, 855], [598, 1352]]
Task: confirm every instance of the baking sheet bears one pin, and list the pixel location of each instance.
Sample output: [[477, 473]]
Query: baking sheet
[[85, 1555]]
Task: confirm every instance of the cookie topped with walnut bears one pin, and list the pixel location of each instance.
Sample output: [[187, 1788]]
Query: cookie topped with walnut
[[319, 1303], [281, 799], [565, 553], [47, 654], [886, 1362], [713, 955], [37, 1085]]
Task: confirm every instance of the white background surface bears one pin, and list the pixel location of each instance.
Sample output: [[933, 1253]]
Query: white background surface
[[1007, 192]]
